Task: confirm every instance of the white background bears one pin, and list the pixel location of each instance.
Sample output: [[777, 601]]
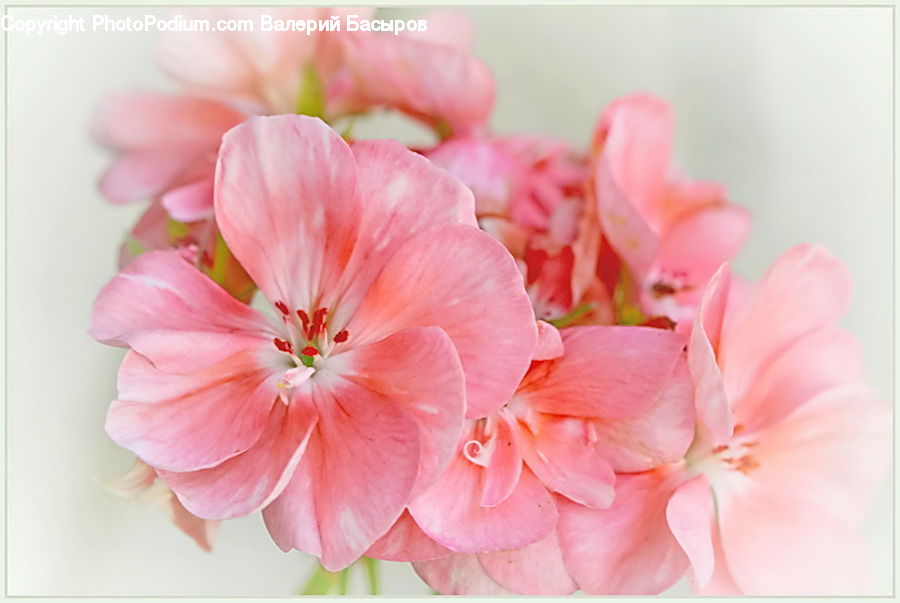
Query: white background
[[789, 108]]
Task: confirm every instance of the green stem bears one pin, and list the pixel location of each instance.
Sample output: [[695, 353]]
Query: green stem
[[323, 582], [372, 575], [571, 317], [343, 580]]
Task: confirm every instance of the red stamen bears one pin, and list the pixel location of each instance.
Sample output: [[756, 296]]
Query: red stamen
[[661, 289], [341, 337], [659, 322], [282, 307], [284, 346], [318, 324], [304, 318], [309, 351]]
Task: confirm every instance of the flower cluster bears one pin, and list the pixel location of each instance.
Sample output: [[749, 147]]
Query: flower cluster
[[521, 366]]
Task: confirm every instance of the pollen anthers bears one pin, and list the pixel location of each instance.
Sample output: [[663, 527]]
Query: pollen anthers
[[668, 282], [737, 454], [310, 332]]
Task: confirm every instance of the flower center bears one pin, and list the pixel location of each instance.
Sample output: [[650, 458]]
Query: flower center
[[307, 338], [737, 455]]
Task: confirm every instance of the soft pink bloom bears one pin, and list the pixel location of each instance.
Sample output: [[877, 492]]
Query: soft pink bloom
[[199, 243], [671, 233], [530, 194], [432, 76], [166, 146], [265, 71], [536, 569], [331, 416], [167, 143], [573, 421], [791, 445], [143, 484]]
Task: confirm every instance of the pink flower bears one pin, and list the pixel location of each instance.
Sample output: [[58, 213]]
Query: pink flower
[[432, 76], [530, 194], [199, 242], [671, 233], [332, 416], [574, 420], [143, 484], [167, 144], [790, 447]]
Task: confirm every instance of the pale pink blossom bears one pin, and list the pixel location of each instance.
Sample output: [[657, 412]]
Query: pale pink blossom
[[530, 194], [166, 144], [790, 447], [431, 76], [142, 484], [671, 233], [574, 420], [335, 413]]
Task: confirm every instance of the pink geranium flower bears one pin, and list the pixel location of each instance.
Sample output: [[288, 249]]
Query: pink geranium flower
[[790, 447], [574, 420], [396, 317], [167, 143], [531, 195], [671, 233], [143, 484], [431, 76]]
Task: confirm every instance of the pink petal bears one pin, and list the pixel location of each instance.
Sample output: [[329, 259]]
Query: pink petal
[[174, 297], [421, 79], [713, 412], [291, 518], [418, 370], [662, 434], [406, 541], [450, 511], [816, 473], [191, 202], [459, 575], [141, 175], [611, 372], [549, 342], [287, 205], [561, 453], [432, 280], [721, 582], [537, 569], [404, 194], [505, 466], [690, 515], [698, 242], [816, 362], [222, 415], [628, 548], [247, 482], [200, 530], [261, 67], [137, 121], [634, 139], [806, 288], [367, 451]]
